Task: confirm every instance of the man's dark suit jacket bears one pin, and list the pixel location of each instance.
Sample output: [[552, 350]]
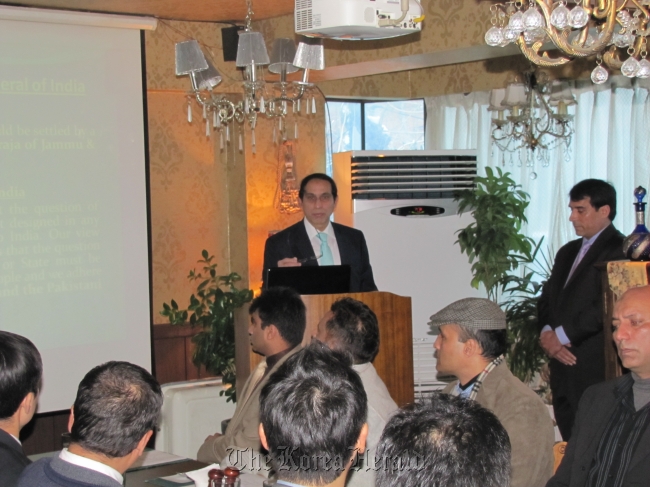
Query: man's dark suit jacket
[[294, 242], [597, 405], [12, 460], [578, 308]]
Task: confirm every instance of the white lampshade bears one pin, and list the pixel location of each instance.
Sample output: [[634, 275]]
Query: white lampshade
[[310, 56], [282, 54], [251, 50], [561, 92], [515, 95], [208, 78], [189, 58], [496, 99]]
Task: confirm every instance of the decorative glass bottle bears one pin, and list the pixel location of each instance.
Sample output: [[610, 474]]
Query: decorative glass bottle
[[637, 245]]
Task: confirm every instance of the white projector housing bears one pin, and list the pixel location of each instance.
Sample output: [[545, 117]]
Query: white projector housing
[[354, 19]]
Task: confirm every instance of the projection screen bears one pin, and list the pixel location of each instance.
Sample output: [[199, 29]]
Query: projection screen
[[74, 254]]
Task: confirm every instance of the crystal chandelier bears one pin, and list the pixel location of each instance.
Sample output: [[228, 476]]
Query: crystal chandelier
[[615, 32], [274, 100], [537, 119]]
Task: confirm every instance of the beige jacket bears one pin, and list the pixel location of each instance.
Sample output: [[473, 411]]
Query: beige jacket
[[241, 442], [527, 421]]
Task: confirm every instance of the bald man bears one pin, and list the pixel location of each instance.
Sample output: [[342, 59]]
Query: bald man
[[610, 443]]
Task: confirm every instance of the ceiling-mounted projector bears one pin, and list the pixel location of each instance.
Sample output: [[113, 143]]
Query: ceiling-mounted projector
[[357, 19]]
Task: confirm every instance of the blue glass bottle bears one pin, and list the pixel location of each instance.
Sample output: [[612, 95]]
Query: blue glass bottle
[[637, 245]]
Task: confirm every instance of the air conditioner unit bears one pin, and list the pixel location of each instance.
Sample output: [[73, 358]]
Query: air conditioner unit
[[403, 202], [354, 19]]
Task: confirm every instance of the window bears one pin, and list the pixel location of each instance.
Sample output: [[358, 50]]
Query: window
[[376, 125]]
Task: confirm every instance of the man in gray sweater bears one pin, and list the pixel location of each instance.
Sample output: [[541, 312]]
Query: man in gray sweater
[[116, 410]]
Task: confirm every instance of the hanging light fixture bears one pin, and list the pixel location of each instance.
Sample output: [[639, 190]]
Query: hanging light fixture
[[270, 99], [614, 31], [531, 115]]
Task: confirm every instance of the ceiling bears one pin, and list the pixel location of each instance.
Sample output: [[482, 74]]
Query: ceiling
[[196, 10]]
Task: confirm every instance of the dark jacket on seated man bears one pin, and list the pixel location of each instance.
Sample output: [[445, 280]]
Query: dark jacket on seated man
[[20, 383], [54, 472], [12, 460]]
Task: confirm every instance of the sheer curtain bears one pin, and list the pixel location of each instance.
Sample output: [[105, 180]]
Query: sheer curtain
[[612, 127]]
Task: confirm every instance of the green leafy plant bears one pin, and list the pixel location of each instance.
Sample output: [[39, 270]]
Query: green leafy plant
[[212, 308], [525, 356], [494, 242]]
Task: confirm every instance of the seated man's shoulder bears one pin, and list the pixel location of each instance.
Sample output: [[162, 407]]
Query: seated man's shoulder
[[512, 393], [34, 473]]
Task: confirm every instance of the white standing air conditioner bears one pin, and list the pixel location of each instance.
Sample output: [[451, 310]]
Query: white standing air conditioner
[[357, 19], [403, 203]]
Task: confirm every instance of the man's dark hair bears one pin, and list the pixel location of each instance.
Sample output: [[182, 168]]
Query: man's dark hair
[[354, 329], [317, 175], [493, 342], [282, 307], [600, 193], [21, 371], [446, 441], [313, 409], [117, 404]]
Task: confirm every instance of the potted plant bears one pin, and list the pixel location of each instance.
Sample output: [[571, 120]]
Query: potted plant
[[212, 309], [496, 248]]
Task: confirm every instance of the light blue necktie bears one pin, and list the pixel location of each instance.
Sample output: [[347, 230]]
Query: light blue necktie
[[326, 252]]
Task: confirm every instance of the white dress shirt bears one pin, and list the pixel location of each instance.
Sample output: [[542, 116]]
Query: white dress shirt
[[312, 233], [84, 462]]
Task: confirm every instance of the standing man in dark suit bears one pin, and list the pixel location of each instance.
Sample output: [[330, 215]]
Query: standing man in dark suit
[[21, 370], [317, 241], [571, 306]]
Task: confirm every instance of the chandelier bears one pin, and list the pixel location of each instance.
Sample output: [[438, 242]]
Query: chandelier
[[532, 115], [614, 31], [274, 100]]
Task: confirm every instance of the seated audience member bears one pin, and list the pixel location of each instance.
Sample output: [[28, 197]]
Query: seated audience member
[[610, 442], [444, 441], [351, 327], [115, 413], [313, 418], [276, 330], [471, 345], [21, 370]]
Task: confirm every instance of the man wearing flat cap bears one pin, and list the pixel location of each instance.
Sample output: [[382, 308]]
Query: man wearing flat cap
[[470, 346]]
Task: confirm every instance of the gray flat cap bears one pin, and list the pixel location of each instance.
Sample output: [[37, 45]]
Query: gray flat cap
[[472, 313]]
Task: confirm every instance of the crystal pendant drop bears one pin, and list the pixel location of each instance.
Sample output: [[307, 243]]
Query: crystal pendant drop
[[619, 40], [644, 69], [494, 36], [516, 22], [624, 17], [533, 19], [560, 17], [599, 75], [630, 67], [578, 17], [509, 35]]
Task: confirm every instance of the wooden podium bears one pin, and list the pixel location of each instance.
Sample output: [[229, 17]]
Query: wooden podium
[[394, 363]]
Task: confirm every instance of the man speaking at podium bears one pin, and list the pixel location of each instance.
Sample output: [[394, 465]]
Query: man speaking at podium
[[317, 241]]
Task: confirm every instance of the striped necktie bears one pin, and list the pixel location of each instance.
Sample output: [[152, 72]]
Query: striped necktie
[[326, 252]]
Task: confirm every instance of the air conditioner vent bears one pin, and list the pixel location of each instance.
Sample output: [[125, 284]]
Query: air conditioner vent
[[411, 176], [303, 19]]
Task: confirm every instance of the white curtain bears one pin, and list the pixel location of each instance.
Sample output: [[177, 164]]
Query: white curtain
[[612, 127]]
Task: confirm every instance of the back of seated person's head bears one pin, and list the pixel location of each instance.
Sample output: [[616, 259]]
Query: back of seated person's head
[[117, 404], [351, 326], [313, 412], [447, 441], [21, 371], [282, 307]]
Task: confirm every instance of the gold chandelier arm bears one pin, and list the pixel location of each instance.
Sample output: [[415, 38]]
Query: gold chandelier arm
[[532, 54], [611, 59]]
